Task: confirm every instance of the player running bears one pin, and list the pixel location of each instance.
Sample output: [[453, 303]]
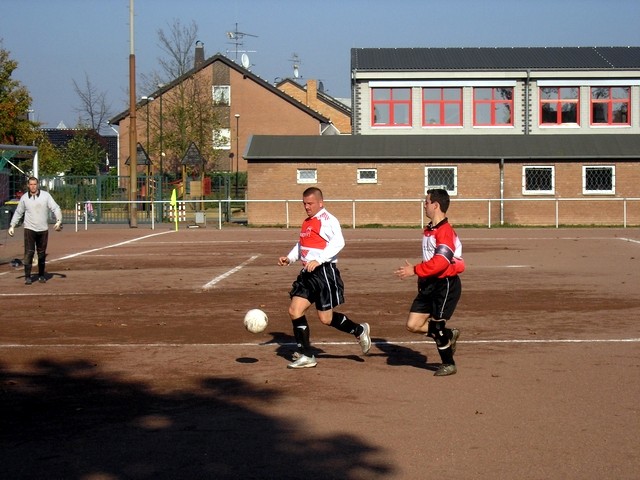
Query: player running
[[319, 280], [439, 286]]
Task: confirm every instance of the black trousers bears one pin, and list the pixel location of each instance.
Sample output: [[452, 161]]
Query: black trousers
[[35, 242]]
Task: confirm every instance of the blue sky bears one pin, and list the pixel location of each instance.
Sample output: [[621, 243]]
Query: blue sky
[[58, 41]]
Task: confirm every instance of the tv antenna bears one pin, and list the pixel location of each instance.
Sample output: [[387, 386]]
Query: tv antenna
[[295, 59], [237, 40]]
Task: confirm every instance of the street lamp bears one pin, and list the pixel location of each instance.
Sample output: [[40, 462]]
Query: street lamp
[[237, 150], [160, 85], [148, 100], [228, 186]]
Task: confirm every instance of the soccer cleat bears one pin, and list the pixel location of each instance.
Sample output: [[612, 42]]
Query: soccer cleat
[[455, 333], [41, 279], [445, 370], [302, 361], [365, 339], [28, 281]]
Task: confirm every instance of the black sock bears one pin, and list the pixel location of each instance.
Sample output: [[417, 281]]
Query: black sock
[[342, 323], [442, 336], [301, 334]]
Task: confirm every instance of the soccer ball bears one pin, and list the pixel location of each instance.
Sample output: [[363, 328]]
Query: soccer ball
[[256, 320]]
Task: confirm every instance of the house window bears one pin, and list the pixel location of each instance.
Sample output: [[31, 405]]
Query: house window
[[441, 177], [391, 107], [492, 106], [222, 95], [307, 175], [222, 139], [441, 107], [598, 180], [559, 105], [610, 105], [367, 175], [538, 180]]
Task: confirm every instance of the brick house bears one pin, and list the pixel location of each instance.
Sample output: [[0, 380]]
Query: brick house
[[312, 94], [533, 136], [245, 104]]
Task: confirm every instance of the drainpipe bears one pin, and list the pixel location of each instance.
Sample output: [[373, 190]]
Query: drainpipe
[[501, 191], [353, 102], [526, 104]]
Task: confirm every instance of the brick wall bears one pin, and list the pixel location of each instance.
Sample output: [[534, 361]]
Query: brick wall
[[403, 186]]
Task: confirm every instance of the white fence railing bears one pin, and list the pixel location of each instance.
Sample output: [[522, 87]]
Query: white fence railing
[[221, 210]]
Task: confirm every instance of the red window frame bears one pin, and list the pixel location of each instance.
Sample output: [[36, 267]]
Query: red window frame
[[610, 102], [560, 101], [442, 104], [390, 103], [493, 103]]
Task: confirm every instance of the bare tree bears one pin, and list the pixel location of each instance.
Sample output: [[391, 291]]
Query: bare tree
[[93, 110], [185, 112], [178, 43]]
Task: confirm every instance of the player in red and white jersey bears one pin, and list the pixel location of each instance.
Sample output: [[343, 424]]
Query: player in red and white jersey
[[439, 286], [319, 281]]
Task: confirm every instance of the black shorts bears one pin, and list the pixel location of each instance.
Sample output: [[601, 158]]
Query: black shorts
[[438, 297], [322, 287]]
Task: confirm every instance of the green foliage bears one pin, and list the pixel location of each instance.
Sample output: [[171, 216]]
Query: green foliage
[[51, 160], [82, 156], [15, 101]]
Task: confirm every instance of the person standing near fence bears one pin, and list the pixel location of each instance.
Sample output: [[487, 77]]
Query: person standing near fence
[[439, 286], [35, 206], [319, 281]]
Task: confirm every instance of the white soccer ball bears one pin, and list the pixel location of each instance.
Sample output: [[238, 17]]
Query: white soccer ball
[[256, 320]]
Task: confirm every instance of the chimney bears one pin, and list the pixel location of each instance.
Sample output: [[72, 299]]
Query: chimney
[[312, 92], [199, 54]]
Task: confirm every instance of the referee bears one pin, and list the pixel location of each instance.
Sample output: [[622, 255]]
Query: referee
[[35, 206]]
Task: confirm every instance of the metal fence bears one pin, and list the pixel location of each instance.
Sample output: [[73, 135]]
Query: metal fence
[[218, 213]]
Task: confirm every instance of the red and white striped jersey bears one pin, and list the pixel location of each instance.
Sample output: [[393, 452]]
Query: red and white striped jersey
[[320, 239], [441, 252]]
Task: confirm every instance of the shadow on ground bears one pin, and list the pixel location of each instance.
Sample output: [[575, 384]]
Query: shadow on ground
[[72, 421]]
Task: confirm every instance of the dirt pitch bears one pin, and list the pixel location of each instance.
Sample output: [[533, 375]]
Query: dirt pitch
[[131, 362]]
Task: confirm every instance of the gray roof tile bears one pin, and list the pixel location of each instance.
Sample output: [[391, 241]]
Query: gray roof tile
[[443, 147], [483, 58]]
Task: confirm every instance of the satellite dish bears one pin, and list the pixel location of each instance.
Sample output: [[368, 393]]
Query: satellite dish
[[245, 60], [296, 73], [321, 86]]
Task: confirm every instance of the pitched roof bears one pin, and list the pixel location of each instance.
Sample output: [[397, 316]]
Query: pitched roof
[[59, 137], [507, 58], [443, 147], [233, 65], [328, 99]]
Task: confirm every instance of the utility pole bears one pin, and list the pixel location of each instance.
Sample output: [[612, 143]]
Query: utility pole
[[237, 151], [133, 137]]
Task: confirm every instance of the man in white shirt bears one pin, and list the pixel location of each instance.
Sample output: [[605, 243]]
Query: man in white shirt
[[35, 205]]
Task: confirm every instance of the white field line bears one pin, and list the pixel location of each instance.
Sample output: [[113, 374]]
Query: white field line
[[73, 255], [267, 344], [119, 244], [213, 282]]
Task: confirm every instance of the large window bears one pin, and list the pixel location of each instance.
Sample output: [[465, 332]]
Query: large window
[[307, 175], [598, 180], [441, 107], [391, 107], [492, 106], [222, 139], [559, 105], [538, 180], [222, 95], [610, 105], [441, 177]]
